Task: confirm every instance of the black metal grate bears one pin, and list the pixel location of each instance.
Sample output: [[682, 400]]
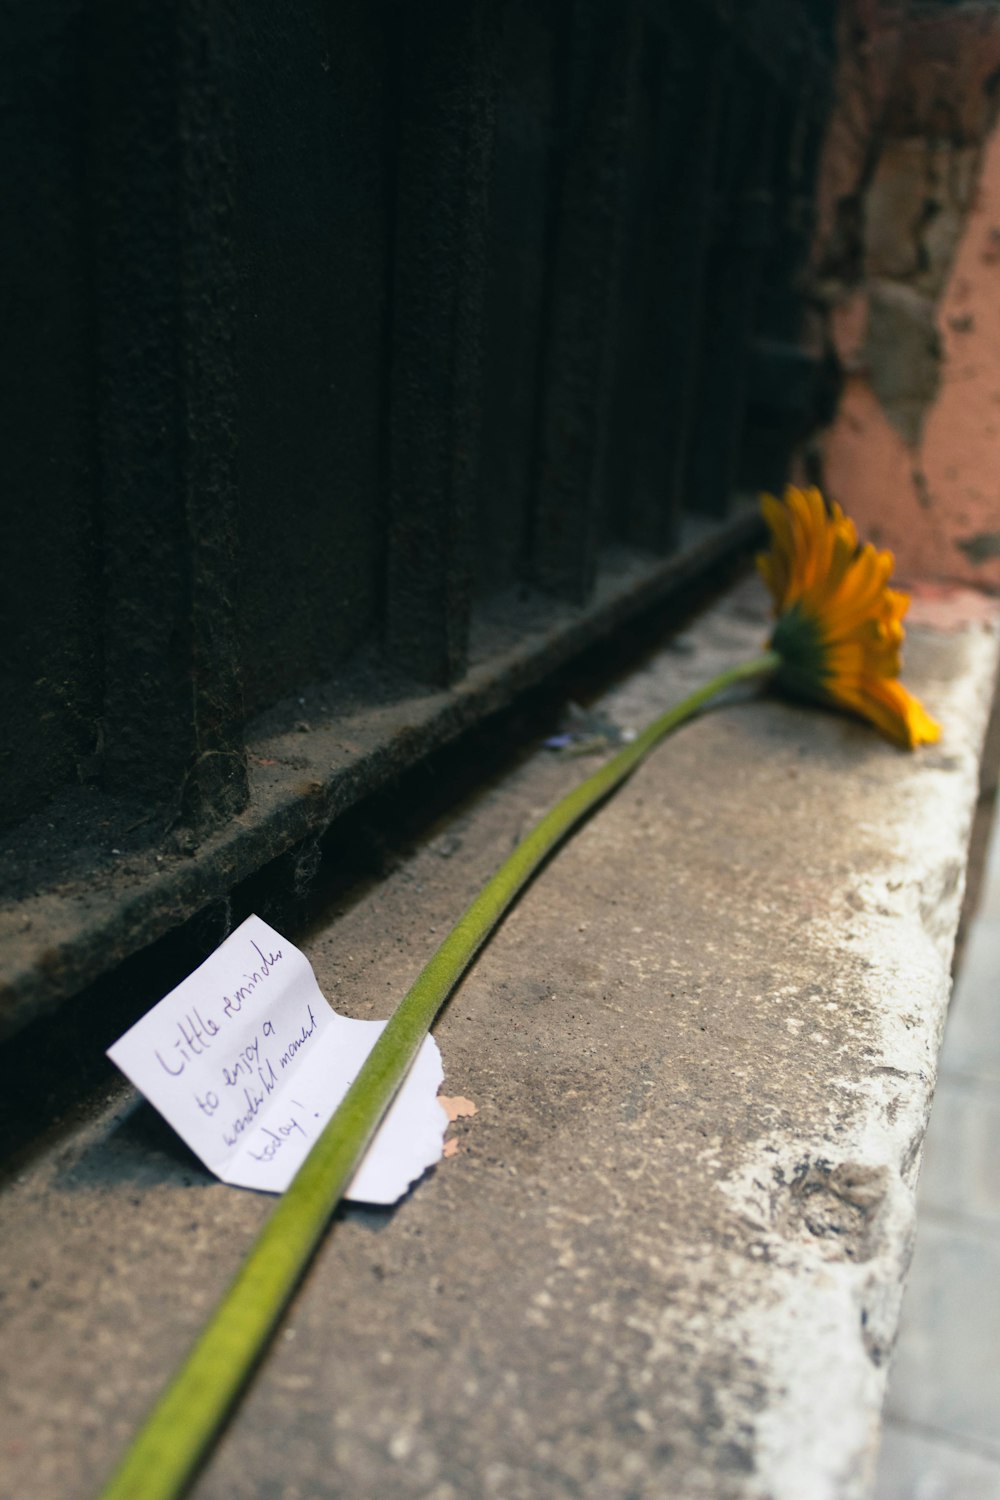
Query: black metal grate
[[388, 347]]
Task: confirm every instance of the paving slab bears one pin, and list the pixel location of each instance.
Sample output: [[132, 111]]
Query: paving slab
[[915, 1465], [667, 1257], [961, 1171], [974, 1025], [944, 1373]]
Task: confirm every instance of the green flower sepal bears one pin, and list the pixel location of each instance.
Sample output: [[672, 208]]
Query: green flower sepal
[[802, 667]]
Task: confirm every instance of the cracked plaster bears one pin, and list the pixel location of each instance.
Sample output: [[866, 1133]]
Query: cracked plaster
[[907, 264]]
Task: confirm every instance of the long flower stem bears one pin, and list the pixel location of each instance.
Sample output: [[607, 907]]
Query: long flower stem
[[177, 1435]]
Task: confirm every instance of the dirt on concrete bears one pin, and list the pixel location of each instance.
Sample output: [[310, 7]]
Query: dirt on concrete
[[666, 1256]]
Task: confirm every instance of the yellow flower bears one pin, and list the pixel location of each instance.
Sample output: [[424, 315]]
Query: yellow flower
[[840, 627]]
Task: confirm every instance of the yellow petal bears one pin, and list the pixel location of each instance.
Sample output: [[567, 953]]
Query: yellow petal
[[837, 598]]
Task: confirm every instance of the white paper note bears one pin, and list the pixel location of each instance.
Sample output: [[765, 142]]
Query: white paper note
[[248, 1062]]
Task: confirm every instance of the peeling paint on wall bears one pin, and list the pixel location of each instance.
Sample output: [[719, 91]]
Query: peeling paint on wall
[[907, 264], [981, 547]]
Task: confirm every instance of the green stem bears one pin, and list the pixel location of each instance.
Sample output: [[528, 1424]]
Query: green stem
[[179, 1431]]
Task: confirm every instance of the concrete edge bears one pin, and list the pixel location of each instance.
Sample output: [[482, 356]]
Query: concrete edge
[[826, 1325]]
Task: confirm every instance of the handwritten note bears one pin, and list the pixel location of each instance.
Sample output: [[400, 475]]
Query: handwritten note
[[248, 1062]]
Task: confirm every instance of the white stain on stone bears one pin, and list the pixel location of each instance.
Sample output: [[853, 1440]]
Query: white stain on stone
[[834, 1207]]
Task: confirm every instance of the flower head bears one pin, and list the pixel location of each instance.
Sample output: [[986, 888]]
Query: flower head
[[839, 627]]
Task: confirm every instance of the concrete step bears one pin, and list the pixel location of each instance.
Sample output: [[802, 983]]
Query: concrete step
[[667, 1257]]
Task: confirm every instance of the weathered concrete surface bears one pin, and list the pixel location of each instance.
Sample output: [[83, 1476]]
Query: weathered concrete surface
[[667, 1258]]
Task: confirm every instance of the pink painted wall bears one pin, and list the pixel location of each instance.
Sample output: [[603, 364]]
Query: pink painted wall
[[908, 266]]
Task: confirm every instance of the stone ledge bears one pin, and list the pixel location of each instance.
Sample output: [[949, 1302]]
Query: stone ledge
[[667, 1258]]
